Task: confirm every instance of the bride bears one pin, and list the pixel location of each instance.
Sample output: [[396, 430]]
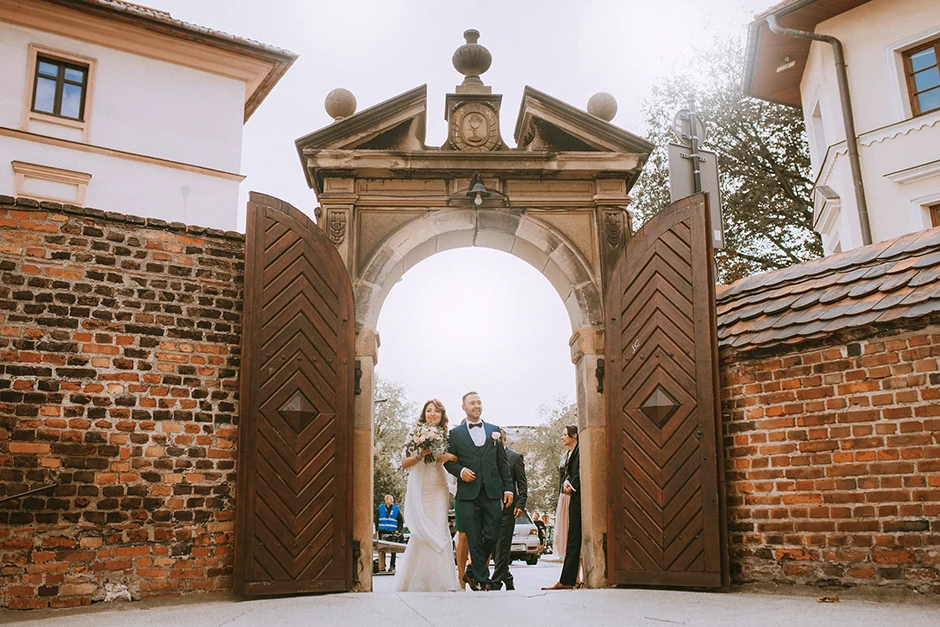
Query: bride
[[429, 557]]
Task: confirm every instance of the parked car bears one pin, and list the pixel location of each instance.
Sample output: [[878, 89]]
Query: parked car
[[525, 541]]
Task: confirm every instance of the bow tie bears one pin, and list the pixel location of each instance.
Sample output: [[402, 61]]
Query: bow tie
[[474, 424]]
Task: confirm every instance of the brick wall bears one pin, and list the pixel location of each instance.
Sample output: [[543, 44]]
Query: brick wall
[[833, 461], [119, 346]]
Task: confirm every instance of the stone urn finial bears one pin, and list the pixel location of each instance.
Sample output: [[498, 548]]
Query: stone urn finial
[[471, 60]]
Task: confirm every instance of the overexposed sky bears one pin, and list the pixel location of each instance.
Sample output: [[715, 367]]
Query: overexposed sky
[[471, 318]]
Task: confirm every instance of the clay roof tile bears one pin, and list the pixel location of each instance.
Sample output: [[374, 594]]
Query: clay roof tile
[[891, 280]]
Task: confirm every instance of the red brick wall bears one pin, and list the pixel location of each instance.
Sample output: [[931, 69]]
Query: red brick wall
[[833, 462], [119, 346]]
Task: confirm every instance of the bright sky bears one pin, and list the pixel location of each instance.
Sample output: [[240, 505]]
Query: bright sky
[[471, 318]]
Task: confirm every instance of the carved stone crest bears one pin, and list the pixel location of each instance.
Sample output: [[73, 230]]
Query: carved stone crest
[[613, 227], [336, 227], [474, 127]]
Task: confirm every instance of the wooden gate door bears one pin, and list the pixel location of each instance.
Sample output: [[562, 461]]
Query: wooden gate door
[[666, 516], [293, 530]]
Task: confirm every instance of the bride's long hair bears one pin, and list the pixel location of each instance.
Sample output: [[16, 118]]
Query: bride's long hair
[[440, 406]]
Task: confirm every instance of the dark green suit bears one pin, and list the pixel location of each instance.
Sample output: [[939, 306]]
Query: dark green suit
[[481, 499]]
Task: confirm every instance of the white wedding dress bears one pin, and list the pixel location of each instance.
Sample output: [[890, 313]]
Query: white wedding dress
[[428, 563]]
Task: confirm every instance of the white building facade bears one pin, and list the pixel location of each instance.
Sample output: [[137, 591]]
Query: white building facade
[[892, 49], [115, 106]]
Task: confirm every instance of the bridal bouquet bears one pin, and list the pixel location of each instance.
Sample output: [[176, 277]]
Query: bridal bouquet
[[425, 436]]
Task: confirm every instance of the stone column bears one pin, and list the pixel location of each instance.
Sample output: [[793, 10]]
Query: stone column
[[587, 349], [335, 216], [367, 344]]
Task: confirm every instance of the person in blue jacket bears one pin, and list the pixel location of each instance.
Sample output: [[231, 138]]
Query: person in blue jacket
[[390, 522]]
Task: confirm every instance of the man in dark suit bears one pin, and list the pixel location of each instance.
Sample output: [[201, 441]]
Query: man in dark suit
[[571, 485], [501, 574], [484, 489]]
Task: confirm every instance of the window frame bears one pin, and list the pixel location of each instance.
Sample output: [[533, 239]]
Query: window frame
[[30, 116], [934, 211], [61, 80], [909, 73]]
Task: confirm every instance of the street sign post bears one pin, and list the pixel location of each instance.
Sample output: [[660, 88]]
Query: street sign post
[[682, 127], [693, 170], [682, 183]]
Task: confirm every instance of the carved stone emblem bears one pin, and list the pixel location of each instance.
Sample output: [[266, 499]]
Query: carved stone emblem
[[475, 127], [336, 227], [613, 227]]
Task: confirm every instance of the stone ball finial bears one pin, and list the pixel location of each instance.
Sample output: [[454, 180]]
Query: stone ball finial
[[603, 106], [340, 103], [472, 59]]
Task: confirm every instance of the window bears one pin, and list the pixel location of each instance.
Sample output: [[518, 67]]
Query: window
[[59, 94], [923, 77], [934, 215], [60, 88]]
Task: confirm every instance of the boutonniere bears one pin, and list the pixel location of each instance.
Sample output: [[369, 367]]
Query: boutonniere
[[496, 436]]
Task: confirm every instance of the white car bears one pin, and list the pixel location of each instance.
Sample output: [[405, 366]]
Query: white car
[[525, 541]]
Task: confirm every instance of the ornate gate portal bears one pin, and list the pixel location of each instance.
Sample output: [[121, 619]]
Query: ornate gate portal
[[557, 200], [664, 431]]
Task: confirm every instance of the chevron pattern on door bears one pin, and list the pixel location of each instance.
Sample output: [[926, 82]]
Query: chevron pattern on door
[[667, 514], [293, 528]]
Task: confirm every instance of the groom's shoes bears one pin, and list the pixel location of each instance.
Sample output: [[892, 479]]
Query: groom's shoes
[[470, 581]]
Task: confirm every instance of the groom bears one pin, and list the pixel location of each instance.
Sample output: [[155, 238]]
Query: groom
[[484, 489]]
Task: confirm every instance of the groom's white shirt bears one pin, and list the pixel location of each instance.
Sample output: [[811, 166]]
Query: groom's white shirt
[[477, 434]]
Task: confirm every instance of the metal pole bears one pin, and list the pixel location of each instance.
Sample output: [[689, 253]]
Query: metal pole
[[693, 142], [48, 486]]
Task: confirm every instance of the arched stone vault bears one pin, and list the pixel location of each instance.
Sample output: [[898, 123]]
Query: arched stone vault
[[527, 238], [557, 200]]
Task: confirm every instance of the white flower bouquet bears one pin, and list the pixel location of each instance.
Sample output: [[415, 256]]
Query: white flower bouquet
[[425, 437]]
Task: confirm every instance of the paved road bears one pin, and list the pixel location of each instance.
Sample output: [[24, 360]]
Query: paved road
[[527, 578], [528, 605]]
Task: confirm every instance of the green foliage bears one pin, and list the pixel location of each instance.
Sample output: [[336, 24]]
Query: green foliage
[[541, 448], [394, 417], [763, 158]]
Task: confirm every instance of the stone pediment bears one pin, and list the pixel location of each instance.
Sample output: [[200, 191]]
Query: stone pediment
[[396, 124], [546, 124]]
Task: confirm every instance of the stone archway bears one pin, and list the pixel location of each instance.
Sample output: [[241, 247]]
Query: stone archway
[[530, 239], [548, 251], [557, 200]]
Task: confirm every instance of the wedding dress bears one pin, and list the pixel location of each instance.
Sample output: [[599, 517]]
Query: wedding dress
[[428, 563]]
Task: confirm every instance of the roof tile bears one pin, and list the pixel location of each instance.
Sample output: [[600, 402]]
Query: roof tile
[[897, 281], [892, 280], [864, 288]]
